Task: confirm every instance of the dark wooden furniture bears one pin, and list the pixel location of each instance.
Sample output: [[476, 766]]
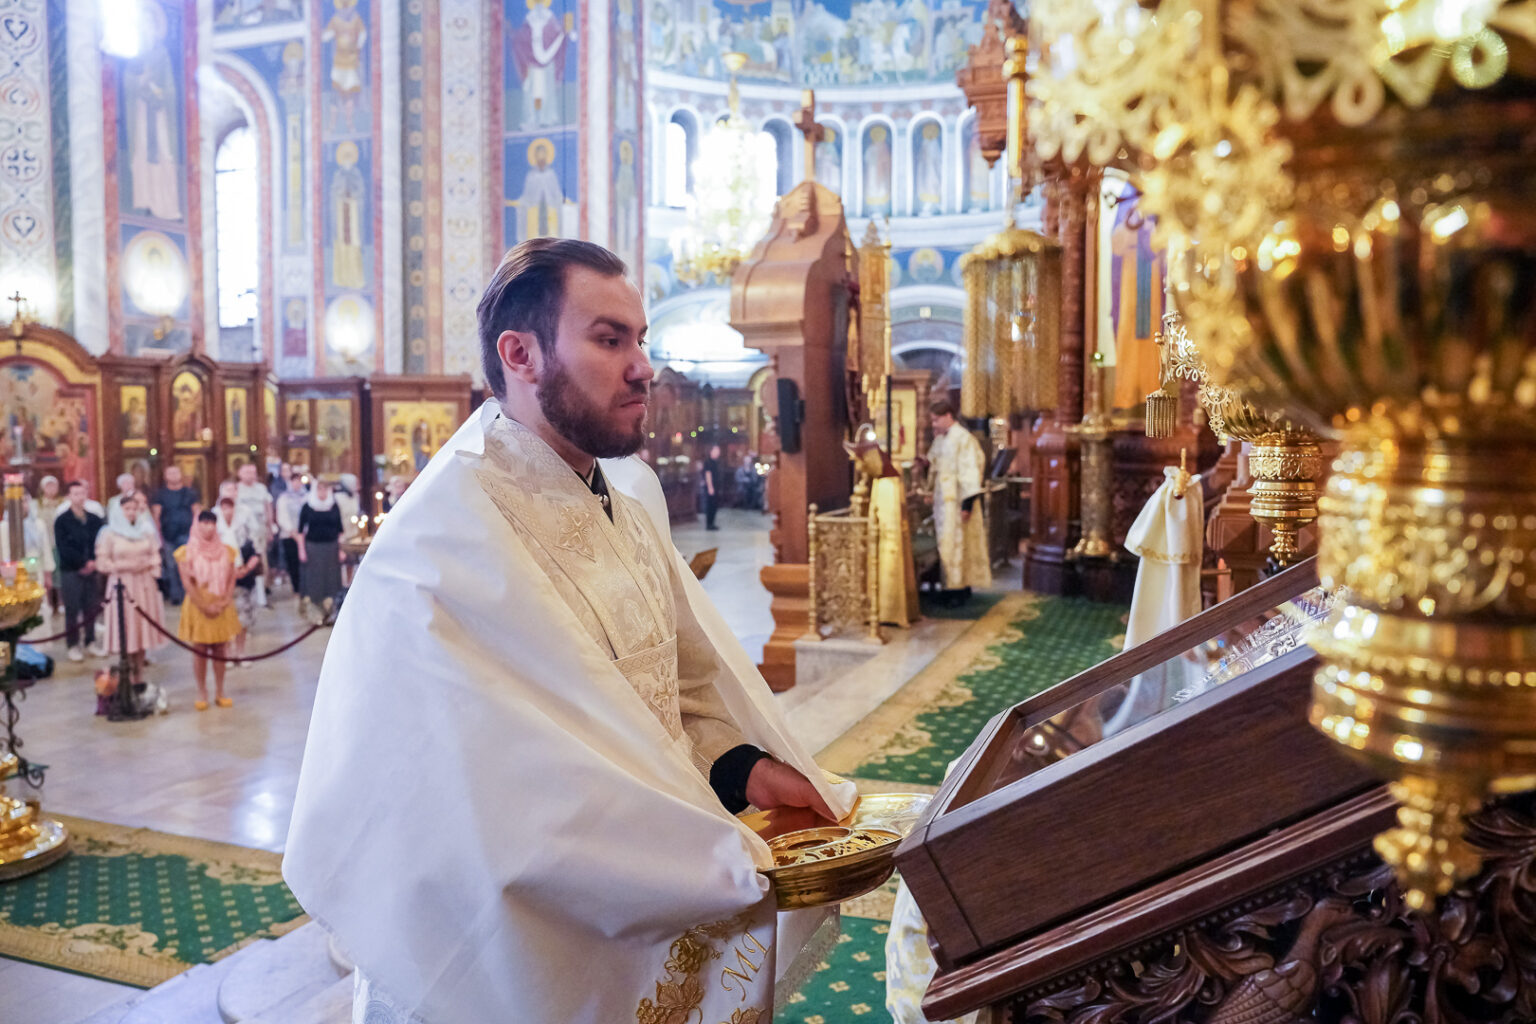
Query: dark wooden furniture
[[1051, 850]]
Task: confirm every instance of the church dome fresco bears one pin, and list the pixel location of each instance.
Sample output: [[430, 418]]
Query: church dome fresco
[[811, 43]]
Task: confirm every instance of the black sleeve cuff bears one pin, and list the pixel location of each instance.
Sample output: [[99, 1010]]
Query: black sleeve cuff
[[968, 502], [728, 775]]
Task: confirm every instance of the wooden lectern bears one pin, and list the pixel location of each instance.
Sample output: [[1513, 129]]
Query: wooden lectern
[[791, 298], [1211, 863]]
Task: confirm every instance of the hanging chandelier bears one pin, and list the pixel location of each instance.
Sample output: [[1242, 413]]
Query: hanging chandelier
[[733, 196]]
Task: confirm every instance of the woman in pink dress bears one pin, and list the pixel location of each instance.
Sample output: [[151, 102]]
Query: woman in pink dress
[[128, 549]]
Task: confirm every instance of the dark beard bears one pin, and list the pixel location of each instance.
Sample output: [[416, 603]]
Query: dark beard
[[580, 422]]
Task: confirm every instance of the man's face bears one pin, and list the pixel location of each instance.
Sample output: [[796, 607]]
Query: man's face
[[247, 473], [77, 497], [714, 451], [173, 478], [943, 423], [595, 383]]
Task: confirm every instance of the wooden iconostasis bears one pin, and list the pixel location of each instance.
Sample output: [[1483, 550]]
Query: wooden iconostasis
[[77, 417], [202, 416], [371, 429]]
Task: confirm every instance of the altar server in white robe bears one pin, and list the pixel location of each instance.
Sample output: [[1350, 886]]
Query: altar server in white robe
[[532, 729], [958, 467]]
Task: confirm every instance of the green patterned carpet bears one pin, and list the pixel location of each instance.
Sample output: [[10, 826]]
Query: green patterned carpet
[[139, 907], [1022, 645], [849, 984]]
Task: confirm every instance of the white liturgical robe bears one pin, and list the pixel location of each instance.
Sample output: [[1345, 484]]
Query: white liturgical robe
[[959, 469], [503, 812]]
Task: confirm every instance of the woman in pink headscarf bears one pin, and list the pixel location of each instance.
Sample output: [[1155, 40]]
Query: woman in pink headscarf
[[128, 549], [208, 617]]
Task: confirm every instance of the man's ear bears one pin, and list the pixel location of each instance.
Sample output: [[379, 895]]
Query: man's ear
[[519, 354]]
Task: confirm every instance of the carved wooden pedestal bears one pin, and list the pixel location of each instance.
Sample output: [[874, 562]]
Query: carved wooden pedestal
[[791, 300]]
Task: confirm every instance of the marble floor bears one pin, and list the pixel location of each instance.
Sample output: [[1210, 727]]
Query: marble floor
[[230, 774]]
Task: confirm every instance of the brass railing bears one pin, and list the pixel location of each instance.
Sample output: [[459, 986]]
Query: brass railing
[[844, 587]]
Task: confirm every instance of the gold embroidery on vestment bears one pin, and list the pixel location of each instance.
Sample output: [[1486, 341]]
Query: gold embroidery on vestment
[[681, 993]]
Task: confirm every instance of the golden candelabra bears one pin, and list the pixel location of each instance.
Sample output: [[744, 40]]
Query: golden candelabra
[[1098, 470], [28, 841], [1286, 460], [1356, 180]]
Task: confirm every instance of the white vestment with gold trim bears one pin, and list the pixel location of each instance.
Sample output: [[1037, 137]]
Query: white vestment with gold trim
[[504, 811], [959, 470]]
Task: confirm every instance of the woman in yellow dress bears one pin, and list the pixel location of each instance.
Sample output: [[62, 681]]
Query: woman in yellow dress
[[208, 617]]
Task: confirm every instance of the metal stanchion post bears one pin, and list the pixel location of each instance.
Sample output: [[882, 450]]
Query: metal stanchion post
[[126, 706]]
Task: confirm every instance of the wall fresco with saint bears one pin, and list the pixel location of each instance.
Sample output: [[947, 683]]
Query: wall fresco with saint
[[541, 118], [157, 250]]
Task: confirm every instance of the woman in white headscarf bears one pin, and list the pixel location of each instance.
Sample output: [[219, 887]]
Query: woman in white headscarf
[[319, 537], [128, 550]]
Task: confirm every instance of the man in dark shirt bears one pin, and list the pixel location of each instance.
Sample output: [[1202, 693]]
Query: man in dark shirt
[[74, 532], [712, 481], [175, 507]]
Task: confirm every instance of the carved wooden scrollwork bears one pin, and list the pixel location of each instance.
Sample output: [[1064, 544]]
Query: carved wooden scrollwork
[[1339, 945]]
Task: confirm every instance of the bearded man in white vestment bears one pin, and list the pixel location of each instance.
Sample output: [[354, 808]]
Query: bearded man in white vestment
[[958, 467], [532, 731]]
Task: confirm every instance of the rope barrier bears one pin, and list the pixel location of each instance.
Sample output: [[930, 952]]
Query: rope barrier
[[200, 652], [88, 620]]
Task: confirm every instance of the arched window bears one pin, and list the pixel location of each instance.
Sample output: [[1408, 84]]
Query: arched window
[[780, 154], [681, 145], [236, 226]]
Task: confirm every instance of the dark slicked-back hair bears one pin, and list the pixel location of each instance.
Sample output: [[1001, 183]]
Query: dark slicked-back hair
[[940, 407], [526, 293]]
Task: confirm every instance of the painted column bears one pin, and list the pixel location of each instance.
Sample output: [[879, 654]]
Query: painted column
[[29, 262], [348, 191]]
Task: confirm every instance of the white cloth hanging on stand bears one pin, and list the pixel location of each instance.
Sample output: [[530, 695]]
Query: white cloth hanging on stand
[[1169, 538]]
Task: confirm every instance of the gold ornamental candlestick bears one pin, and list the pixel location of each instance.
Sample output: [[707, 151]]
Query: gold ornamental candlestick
[[28, 841], [813, 612], [1098, 471], [1286, 460], [1357, 179]]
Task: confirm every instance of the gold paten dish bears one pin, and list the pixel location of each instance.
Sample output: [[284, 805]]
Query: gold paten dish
[[817, 863]]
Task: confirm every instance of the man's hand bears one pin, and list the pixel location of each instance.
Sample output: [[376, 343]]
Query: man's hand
[[965, 515], [775, 784]]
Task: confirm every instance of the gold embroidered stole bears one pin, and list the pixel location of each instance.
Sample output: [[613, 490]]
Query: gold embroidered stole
[[611, 574]]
